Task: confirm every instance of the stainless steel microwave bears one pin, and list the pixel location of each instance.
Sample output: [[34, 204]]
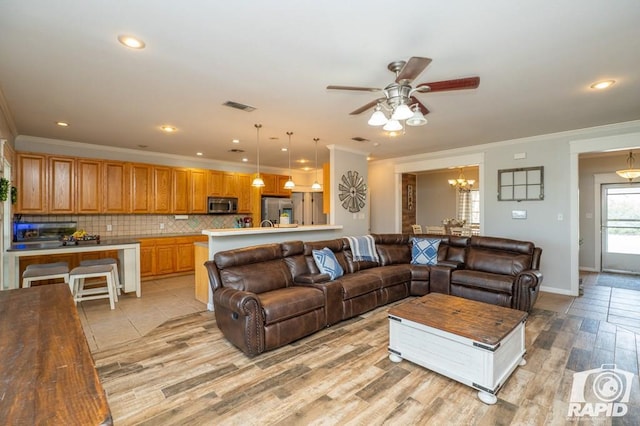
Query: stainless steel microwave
[[222, 205]]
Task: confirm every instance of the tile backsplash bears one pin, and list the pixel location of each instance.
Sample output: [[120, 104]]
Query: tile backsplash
[[136, 225]]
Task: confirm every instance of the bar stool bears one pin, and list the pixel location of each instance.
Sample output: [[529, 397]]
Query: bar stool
[[76, 282], [45, 271], [106, 261]]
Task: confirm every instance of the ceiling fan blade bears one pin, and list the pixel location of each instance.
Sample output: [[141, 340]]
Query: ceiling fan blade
[[361, 89], [423, 108], [366, 107], [412, 69], [457, 84]]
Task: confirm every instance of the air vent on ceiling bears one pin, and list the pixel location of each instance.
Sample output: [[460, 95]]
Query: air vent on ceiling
[[238, 105], [359, 139], [236, 150]]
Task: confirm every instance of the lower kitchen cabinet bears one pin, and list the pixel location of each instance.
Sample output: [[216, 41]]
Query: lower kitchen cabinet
[[167, 255]]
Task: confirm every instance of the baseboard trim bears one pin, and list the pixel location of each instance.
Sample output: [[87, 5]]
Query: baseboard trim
[[554, 290]]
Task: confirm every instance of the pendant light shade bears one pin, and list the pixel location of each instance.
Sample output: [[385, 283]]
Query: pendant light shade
[[402, 112], [631, 173], [392, 126], [316, 185], [378, 118], [289, 184], [417, 119], [258, 182]]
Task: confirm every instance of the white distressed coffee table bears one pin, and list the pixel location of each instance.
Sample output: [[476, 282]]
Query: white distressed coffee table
[[474, 343]]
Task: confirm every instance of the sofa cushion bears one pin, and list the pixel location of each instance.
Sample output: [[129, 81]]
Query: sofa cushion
[[425, 251], [497, 262], [390, 275], [327, 263], [354, 285], [483, 280], [279, 305]]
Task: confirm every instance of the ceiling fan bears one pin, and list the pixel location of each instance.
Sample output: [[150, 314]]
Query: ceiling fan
[[398, 96]]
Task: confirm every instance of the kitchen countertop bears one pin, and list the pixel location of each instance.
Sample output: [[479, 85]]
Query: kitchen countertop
[[47, 245], [231, 232]]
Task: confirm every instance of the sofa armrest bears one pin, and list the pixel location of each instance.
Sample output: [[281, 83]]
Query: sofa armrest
[[239, 316], [527, 284], [312, 278], [440, 279], [451, 264]]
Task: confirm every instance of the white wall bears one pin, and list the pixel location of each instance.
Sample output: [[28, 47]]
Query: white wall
[[343, 160], [558, 154]]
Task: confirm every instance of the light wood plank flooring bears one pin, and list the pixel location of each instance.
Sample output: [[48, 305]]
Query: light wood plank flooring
[[184, 372]]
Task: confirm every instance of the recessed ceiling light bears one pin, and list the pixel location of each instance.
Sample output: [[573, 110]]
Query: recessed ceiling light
[[168, 129], [599, 85], [236, 141], [284, 149], [306, 169], [131, 41], [245, 159], [62, 123], [302, 161], [199, 154]]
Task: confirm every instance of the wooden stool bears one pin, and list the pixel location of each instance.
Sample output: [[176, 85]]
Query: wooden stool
[[45, 271], [76, 282], [106, 261]]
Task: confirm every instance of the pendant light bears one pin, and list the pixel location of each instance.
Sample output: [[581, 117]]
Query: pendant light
[[258, 182], [631, 173], [316, 185], [289, 184]]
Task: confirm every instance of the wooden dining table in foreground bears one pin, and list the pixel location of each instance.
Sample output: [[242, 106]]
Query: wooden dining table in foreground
[[47, 375]]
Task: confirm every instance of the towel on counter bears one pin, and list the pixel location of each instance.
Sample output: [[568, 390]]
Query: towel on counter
[[363, 248]]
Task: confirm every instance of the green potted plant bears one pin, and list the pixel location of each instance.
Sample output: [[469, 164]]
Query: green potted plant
[[4, 189]]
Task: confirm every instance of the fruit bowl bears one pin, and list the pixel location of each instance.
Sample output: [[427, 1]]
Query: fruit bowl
[[68, 240]]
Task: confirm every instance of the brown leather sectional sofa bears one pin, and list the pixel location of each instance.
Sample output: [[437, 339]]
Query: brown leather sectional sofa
[[270, 295]]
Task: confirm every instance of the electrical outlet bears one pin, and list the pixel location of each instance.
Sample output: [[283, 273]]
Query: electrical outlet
[[109, 228], [162, 226]]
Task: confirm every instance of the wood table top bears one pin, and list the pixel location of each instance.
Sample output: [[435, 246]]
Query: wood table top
[[478, 321], [47, 374]]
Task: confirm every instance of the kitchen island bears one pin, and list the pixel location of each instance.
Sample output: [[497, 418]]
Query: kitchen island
[[232, 238], [128, 254]]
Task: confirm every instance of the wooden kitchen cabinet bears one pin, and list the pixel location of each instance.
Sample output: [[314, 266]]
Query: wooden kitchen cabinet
[[229, 184], [215, 186], [244, 192], [180, 189], [32, 183], [147, 257], [161, 190], [62, 190], [184, 254], [115, 187], [198, 191], [167, 255], [274, 185], [141, 188], [89, 186]]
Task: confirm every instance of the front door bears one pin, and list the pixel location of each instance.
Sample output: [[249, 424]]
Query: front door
[[620, 228]]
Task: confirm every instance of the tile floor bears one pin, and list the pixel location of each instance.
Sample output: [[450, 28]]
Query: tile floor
[[134, 317], [173, 297]]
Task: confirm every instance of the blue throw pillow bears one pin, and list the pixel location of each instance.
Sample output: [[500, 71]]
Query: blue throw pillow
[[425, 251], [327, 263]]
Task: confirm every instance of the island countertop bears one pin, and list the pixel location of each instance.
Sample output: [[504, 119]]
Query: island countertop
[[232, 232]]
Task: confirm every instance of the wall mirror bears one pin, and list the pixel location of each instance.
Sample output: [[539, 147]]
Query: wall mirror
[[521, 184]]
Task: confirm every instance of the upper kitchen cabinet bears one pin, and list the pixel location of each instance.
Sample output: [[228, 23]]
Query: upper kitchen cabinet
[[229, 184], [32, 183], [89, 185], [244, 192], [161, 190], [274, 185], [198, 185], [141, 188], [214, 182], [180, 189], [62, 190], [115, 187]]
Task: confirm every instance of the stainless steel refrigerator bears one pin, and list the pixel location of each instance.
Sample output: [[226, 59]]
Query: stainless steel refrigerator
[[273, 207]]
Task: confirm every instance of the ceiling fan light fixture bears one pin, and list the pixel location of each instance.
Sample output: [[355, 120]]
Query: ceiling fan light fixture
[[378, 118], [393, 126], [402, 112], [417, 119]]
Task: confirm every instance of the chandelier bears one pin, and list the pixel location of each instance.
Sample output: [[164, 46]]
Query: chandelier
[[397, 104], [630, 173], [461, 183]]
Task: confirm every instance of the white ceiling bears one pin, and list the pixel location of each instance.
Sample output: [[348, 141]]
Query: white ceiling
[[60, 60]]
